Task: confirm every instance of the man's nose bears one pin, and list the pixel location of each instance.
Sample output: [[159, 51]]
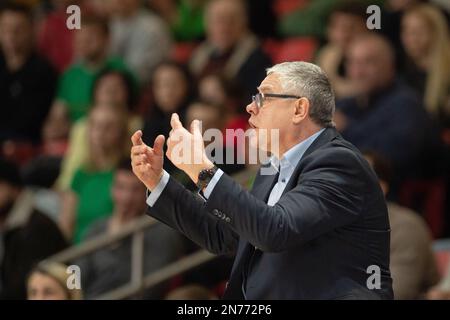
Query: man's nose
[[252, 108]]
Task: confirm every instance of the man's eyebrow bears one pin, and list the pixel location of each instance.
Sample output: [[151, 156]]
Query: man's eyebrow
[[265, 87]]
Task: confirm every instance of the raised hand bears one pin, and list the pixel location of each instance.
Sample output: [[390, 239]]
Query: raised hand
[[147, 162], [186, 150]]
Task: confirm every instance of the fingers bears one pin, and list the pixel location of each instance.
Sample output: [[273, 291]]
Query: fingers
[[159, 145], [175, 122], [139, 160], [195, 128], [136, 139], [140, 149]]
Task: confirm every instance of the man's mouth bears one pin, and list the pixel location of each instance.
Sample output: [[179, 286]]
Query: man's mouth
[[252, 125]]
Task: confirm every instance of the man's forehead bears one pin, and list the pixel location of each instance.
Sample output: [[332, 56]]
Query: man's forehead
[[270, 83]]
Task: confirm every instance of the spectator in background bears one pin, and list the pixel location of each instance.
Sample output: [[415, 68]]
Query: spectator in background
[[173, 90], [385, 116], [55, 40], [140, 37], [413, 266], [91, 51], [213, 118], [346, 21], [55, 131], [217, 90], [26, 235], [391, 18], [113, 88], [110, 267], [308, 19], [89, 196], [425, 38], [27, 81], [184, 17], [48, 281], [230, 48]]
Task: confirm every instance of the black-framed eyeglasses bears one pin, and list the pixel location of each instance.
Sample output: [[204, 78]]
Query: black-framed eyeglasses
[[259, 98]]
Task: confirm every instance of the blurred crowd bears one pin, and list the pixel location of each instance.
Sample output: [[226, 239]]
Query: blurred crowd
[[70, 100]]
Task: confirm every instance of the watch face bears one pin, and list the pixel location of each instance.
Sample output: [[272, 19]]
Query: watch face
[[205, 174], [205, 177]]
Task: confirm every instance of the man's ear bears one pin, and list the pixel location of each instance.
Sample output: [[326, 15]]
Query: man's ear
[[301, 110]]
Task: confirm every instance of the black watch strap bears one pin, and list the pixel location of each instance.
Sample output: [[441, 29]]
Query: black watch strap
[[205, 176]]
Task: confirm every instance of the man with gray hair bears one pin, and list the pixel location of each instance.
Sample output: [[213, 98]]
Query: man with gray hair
[[317, 228]]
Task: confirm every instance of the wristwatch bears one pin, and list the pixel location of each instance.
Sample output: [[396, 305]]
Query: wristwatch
[[205, 176]]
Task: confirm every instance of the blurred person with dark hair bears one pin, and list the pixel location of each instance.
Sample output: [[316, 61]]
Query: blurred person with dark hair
[[26, 235], [213, 117], [218, 90], [27, 81], [48, 281], [385, 115], [345, 22], [173, 89], [191, 292], [140, 37], [110, 267], [230, 48], [413, 265], [89, 196], [92, 58], [425, 37], [113, 88]]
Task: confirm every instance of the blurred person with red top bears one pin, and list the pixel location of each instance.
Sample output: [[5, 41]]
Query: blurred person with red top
[[172, 89], [55, 40]]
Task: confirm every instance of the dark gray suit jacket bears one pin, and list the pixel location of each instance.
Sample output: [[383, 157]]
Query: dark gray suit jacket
[[329, 226]]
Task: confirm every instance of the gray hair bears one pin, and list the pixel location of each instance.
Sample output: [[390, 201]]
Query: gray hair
[[310, 81]]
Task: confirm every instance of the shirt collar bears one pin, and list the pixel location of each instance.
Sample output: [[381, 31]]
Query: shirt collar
[[294, 155]]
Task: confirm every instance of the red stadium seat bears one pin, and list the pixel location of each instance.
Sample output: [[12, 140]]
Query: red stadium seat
[[182, 51], [283, 7], [293, 49], [431, 194]]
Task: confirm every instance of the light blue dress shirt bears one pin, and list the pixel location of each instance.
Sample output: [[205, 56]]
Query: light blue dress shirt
[[286, 166]]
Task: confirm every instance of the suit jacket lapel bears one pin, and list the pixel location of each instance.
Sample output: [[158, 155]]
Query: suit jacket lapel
[[328, 135], [261, 189]]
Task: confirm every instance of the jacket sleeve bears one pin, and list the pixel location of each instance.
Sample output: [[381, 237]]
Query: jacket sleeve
[[186, 212], [329, 194]]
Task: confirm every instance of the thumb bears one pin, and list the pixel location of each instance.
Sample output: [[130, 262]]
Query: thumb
[[175, 122], [136, 139], [195, 128], [159, 145]]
